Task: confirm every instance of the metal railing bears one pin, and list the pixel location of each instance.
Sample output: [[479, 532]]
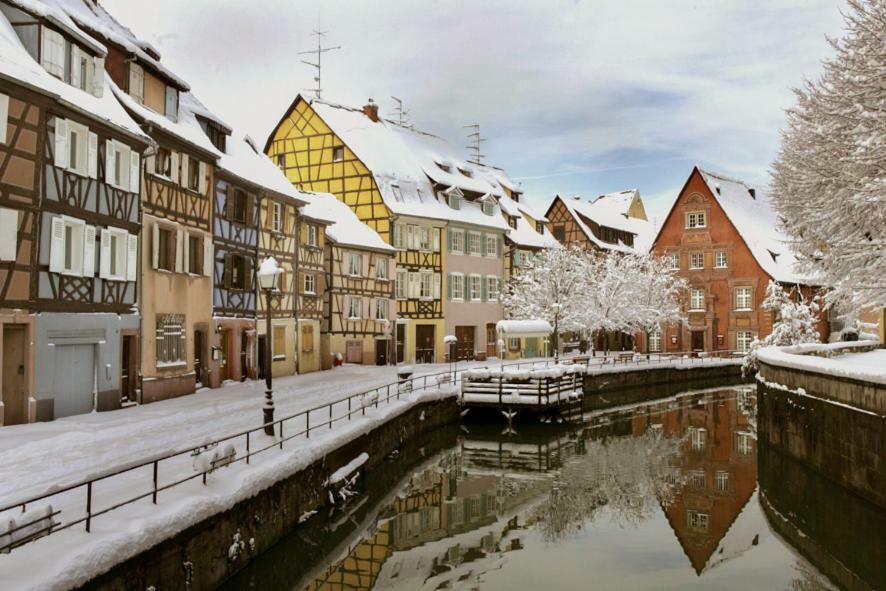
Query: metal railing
[[325, 416]]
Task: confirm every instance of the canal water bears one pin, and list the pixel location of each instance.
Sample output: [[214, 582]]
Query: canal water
[[662, 495]]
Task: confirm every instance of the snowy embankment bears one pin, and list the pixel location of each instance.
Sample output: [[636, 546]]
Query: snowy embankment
[[859, 360], [72, 557]]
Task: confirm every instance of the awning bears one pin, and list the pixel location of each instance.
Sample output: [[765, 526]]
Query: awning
[[515, 329]]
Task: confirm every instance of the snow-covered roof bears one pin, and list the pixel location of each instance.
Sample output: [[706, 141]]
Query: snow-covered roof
[[92, 16], [603, 215], [244, 160], [756, 221], [404, 162], [54, 12], [17, 64], [346, 229], [524, 328]]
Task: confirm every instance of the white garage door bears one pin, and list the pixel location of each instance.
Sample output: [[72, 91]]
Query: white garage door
[[74, 376]]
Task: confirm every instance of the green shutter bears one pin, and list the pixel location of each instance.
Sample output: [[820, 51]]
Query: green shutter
[[483, 245], [498, 246], [484, 291], [449, 239], [449, 285]]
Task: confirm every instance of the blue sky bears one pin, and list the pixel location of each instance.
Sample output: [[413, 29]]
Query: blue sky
[[575, 96]]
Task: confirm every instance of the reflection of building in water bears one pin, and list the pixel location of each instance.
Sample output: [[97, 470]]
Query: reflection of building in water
[[719, 471], [360, 568]]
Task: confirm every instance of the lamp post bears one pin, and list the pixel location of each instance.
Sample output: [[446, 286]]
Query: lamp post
[[268, 281], [555, 307]]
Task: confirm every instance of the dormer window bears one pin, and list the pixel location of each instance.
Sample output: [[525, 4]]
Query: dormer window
[[539, 227], [398, 194], [171, 103], [488, 207], [216, 134], [443, 165], [466, 171], [454, 201], [52, 54], [137, 82], [512, 221], [281, 161]]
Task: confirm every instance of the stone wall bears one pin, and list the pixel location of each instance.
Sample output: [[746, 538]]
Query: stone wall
[[200, 557]]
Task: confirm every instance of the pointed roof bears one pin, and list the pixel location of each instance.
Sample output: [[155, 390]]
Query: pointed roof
[[346, 228], [608, 213]]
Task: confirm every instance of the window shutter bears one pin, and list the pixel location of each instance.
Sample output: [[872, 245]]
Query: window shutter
[[132, 257], [179, 251], [8, 234], [150, 164], [186, 253], [498, 247], [155, 245], [435, 235], [104, 260], [373, 303], [98, 78], [437, 286], [61, 142], [449, 285], [449, 239], [208, 260], [483, 250], [414, 286], [397, 237], [484, 288], [247, 279], [134, 171], [201, 182], [57, 246], [226, 274], [110, 169], [46, 48], [174, 166], [4, 117], [366, 271], [75, 66], [92, 156], [185, 177]]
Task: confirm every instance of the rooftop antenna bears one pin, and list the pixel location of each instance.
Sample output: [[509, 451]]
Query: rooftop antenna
[[475, 140], [400, 113], [319, 64]]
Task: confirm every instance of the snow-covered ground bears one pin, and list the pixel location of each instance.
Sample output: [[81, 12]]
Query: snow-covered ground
[[848, 360]]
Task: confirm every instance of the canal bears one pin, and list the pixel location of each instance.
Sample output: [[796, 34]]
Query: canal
[[672, 494]]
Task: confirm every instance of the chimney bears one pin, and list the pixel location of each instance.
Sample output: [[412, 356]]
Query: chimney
[[753, 193], [370, 109]]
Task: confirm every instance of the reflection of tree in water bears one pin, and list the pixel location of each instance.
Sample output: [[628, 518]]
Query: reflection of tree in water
[[629, 475]]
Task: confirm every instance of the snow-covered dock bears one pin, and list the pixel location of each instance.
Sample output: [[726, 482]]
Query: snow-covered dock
[[555, 389]]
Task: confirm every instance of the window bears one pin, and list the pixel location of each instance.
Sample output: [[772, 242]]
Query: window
[[136, 82], [696, 260], [236, 272], [695, 219], [277, 217], [743, 340], [163, 162], [381, 268], [698, 437], [307, 338], [743, 298], [53, 53], [426, 285], [697, 521], [115, 255], [457, 286], [696, 299], [72, 248], [673, 261], [655, 342], [424, 238], [476, 287], [355, 264], [697, 479], [398, 194], [338, 154], [720, 259], [491, 245], [195, 254], [8, 234], [745, 443], [170, 340], [539, 227], [519, 257], [492, 289], [193, 174], [279, 345], [401, 286], [312, 236], [81, 69], [513, 344], [354, 306], [235, 209], [454, 200], [281, 161], [171, 103], [381, 309], [165, 248], [77, 139], [722, 478], [457, 241], [488, 207], [474, 243], [310, 286]]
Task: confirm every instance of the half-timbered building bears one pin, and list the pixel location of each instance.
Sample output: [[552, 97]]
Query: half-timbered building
[[310, 287], [359, 309], [614, 222], [722, 236], [83, 237]]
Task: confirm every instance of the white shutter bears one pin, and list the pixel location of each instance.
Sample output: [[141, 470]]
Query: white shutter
[[414, 285], [57, 246], [179, 237], [104, 259], [110, 167], [398, 237], [186, 251], [207, 256], [184, 176], [98, 78], [132, 257], [202, 180], [150, 165], [437, 286], [61, 142], [75, 66], [4, 117], [8, 234], [92, 156], [87, 269], [174, 157], [155, 245], [134, 171], [435, 233], [46, 48]]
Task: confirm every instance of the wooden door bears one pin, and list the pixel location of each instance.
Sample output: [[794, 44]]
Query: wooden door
[[491, 338], [464, 348], [15, 400], [244, 347], [381, 351], [198, 356], [424, 343], [401, 343], [698, 340], [128, 368]]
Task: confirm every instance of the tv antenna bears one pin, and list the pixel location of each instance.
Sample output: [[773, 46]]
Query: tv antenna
[[475, 140], [319, 64], [400, 113]]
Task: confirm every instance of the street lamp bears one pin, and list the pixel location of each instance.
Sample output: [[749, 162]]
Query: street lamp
[[268, 281], [555, 308]]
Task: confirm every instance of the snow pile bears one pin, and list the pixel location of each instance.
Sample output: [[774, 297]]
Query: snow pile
[[342, 473], [858, 360], [34, 523], [214, 457], [522, 375]]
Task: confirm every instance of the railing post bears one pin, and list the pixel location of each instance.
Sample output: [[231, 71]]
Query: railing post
[[308, 425], [330, 415], [281, 433], [154, 496], [247, 446], [349, 408], [388, 390], [88, 505]]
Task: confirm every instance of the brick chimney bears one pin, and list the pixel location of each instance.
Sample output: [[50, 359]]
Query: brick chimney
[[370, 109]]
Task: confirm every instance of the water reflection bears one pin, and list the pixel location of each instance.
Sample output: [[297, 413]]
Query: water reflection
[[548, 507]]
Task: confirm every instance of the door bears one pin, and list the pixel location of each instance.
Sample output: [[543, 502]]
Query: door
[[531, 347], [491, 338], [244, 347], [424, 343], [199, 344], [698, 340], [15, 400], [381, 351], [401, 342], [354, 352], [74, 379], [464, 348], [128, 368]]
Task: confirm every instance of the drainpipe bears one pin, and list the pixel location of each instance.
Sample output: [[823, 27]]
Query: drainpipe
[[296, 288]]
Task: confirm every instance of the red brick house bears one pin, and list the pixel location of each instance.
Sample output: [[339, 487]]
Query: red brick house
[[722, 236]]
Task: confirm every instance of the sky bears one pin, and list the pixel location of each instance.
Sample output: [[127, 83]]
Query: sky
[[573, 96]]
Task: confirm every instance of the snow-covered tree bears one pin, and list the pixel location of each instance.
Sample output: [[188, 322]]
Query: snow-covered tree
[[829, 179], [794, 323]]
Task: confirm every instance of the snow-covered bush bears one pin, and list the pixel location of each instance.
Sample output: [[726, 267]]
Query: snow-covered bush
[[794, 323]]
